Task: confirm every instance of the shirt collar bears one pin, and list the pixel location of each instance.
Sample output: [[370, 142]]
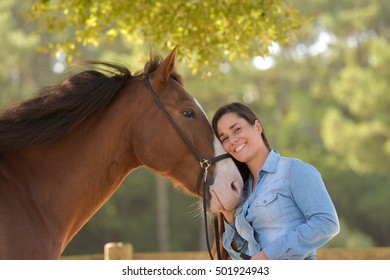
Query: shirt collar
[[271, 163]]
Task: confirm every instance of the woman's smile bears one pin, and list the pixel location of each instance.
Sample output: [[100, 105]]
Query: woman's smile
[[239, 148]]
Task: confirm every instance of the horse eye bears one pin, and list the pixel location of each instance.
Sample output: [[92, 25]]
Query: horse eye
[[189, 114]]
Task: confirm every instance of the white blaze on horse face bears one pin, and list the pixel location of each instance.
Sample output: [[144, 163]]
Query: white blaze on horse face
[[226, 191]]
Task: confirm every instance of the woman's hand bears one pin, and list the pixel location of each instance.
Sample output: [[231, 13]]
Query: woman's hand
[[229, 215], [260, 256]]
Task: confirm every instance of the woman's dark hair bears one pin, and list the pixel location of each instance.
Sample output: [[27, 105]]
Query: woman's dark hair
[[246, 113], [242, 111]]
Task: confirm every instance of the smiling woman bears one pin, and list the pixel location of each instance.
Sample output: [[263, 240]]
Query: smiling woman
[[286, 211]]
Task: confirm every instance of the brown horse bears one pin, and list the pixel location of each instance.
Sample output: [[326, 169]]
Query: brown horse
[[66, 151]]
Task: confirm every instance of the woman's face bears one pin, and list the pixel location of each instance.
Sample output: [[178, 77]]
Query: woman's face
[[240, 139]]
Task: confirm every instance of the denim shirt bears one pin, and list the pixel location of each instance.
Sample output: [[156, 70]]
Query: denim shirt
[[288, 215]]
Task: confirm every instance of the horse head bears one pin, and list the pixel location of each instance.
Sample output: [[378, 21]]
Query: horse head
[[175, 142]]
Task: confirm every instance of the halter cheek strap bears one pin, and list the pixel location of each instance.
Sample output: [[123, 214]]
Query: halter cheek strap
[[204, 166]]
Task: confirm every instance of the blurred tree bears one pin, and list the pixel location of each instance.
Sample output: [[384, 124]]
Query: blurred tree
[[210, 32], [18, 56], [163, 232], [358, 127], [350, 237]]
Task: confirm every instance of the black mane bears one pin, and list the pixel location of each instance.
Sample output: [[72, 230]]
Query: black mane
[[59, 108]]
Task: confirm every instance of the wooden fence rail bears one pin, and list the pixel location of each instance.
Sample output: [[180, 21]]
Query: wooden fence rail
[[124, 251]]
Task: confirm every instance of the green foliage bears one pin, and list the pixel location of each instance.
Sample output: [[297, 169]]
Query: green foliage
[[209, 32], [361, 119], [355, 123], [16, 56]]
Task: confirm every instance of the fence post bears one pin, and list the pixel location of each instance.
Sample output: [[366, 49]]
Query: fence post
[[118, 251]]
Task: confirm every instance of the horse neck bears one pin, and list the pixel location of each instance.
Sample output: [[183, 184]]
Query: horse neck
[[76, 176]]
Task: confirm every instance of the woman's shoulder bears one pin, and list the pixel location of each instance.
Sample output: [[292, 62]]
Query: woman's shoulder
[[297, 166]]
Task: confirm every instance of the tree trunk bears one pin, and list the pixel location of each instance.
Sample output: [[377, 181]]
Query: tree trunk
[[162, 214]]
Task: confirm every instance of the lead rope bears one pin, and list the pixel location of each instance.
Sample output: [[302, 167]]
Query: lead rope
[[216, 233], [205, 211]]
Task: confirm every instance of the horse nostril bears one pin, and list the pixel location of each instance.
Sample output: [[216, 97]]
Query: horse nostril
[[234, 188]]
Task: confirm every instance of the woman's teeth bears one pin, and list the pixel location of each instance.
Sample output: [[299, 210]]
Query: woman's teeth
[[239, 148]]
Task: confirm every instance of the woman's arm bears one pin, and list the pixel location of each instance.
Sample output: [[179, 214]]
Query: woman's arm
[[322, 224]]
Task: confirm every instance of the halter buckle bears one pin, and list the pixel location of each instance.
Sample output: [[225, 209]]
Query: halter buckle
[[205, 164]]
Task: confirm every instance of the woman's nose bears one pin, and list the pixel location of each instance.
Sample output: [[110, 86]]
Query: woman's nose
[[233, 139]]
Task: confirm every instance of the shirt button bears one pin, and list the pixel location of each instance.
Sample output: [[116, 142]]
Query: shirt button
[[264, 201]]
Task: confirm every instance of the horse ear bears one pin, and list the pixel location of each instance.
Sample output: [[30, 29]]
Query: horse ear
[[166, 67]]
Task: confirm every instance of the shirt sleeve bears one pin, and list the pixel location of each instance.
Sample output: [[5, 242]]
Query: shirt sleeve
[[228, 237], [322, 224]]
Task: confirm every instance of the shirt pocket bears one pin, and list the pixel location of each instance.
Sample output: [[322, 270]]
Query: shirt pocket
[[267, 207]]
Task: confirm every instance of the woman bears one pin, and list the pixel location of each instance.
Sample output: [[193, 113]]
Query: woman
[[286, 211]]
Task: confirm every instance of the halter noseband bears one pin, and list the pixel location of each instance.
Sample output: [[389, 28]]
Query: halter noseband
[[204, 166]]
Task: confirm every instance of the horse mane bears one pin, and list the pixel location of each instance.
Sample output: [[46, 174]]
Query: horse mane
[[58, 109]]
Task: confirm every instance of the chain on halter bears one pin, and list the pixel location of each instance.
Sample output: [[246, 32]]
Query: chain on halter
[[204, 166]]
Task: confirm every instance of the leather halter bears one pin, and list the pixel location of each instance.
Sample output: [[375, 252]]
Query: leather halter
[[204, 165]]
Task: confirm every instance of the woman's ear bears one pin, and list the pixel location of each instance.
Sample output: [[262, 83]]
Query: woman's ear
[[258, 126]]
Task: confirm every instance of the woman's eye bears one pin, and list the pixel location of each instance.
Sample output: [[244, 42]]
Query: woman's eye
[[189, 114], [238, 129]]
